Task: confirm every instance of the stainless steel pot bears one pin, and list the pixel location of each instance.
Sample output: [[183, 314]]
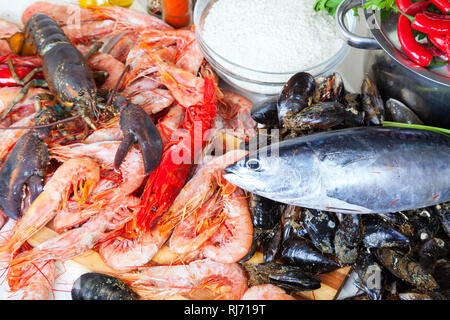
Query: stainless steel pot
[[426, 91]]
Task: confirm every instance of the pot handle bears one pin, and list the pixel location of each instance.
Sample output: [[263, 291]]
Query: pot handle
[[351, 38]]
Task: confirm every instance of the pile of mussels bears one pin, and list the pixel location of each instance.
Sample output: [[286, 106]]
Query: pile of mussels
[[402, 255]]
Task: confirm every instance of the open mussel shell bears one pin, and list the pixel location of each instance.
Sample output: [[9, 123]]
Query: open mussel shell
[[377, 234], [328, 88], [98, 286], [398, 112], [303, 254], [265, 111], [321, 227], [372, 103], [405, 268], [285, 276], [296, 94]]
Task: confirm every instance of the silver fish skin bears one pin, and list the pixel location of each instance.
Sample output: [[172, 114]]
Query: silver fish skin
[[356, 170]]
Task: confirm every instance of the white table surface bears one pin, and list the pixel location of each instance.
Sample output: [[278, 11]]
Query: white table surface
[[351, 70]]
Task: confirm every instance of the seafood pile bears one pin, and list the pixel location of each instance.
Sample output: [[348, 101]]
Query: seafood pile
[[116, 136], [333, 164]]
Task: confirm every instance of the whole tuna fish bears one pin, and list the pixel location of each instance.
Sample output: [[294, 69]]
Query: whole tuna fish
[[357, 170]]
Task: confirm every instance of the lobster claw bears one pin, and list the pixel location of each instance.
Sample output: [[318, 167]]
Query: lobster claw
[[137, 127], [25, 165]]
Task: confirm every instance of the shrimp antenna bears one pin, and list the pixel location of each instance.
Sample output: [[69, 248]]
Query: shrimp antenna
[[42, 126]]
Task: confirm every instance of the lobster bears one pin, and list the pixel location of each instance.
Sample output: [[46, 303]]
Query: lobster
[[70, 80]]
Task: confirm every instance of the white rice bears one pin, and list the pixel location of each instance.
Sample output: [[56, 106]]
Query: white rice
[[271, 35]]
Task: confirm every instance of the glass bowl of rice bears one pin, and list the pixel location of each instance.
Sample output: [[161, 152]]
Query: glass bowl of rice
[[257, 45]]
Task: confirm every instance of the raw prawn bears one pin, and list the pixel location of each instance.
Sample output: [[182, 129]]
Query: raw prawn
[[266, 292], [74, 174], [74, 242], [132, 168], [188, 57], [233, 239], [38, 287], [201, 279], [127, 19], [222, 231]]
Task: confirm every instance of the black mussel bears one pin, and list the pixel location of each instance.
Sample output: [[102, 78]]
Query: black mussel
[[371, 275], [405, 268], [431, 251], [328, 88], [266, 213], [443, 212], [303, 254], [352, 101], [321, 227], [98, 286], [291, 223], [371, 102], [441, 274], [296, 94], [287, 277], [425, 222], [324, 115], [265, 111], [399, 112], [400, 221], [378, 234], [271, 243], [347, 238]]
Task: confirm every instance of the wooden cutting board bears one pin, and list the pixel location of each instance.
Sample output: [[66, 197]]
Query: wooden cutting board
[[331, 282]]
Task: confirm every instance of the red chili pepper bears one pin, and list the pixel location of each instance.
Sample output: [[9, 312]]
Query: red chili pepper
[[447, 46], [417, 7], [414, 50], [403, 4], [427, 24], [442, 5], [438, 41], [436, 16], [6, 78]]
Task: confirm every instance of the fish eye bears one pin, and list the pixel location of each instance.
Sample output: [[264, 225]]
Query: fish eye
[[253, 164]]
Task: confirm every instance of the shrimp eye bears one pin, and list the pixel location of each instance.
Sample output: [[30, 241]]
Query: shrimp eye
[[253, 164]]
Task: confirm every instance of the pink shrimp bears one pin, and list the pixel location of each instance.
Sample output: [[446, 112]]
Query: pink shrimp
[[60, 13], [153, 101], [124, 253], [223, 232], [105, 62], [189, 57], [186, 88], [132, 168], [235, 113], [266, 292], [141, 85], [233, 239], [201, 279], [74, 242], [126, 18], [80, 173]]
